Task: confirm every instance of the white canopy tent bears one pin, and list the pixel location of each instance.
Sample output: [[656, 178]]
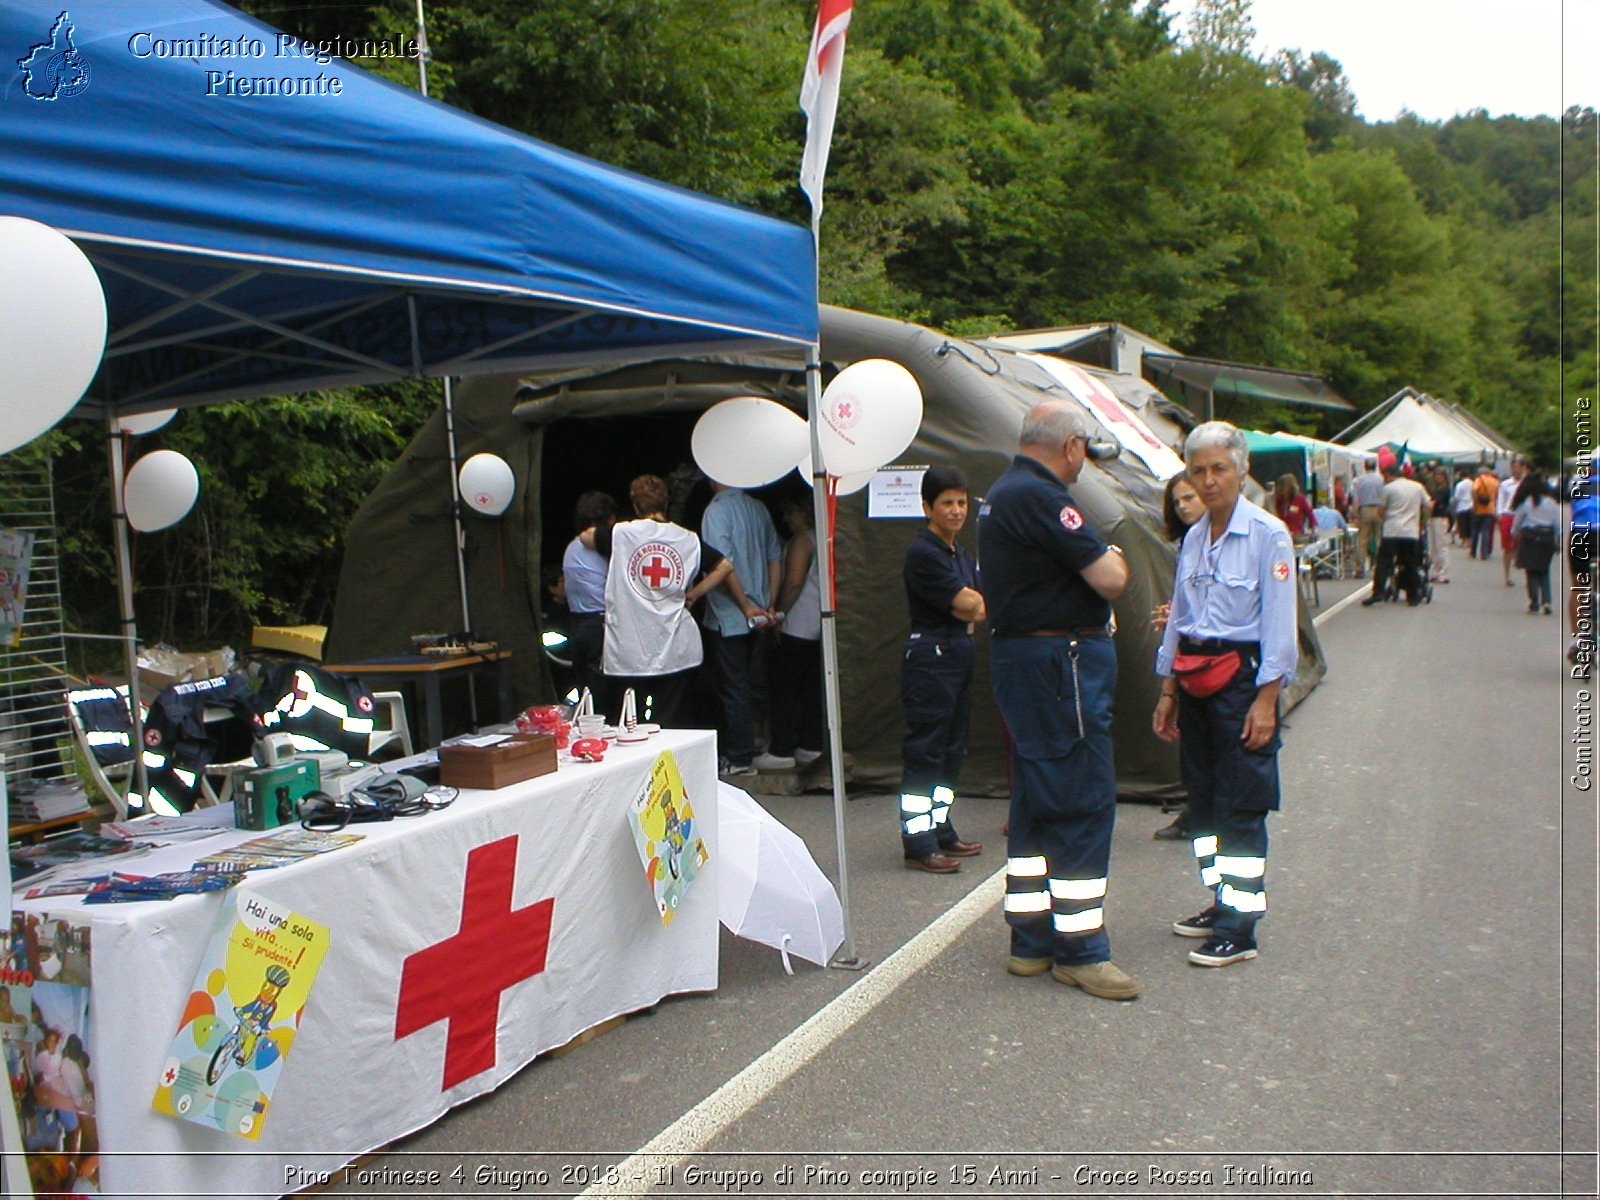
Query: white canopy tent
[[1427, 427]]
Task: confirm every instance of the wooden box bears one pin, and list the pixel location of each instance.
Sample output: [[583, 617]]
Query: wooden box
[[521, 756]]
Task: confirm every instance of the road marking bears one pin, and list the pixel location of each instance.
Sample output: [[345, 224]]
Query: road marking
[[1341, 605], [749, 1087]]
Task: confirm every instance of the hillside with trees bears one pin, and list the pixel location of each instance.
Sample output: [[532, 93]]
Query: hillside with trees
[[997, 164]]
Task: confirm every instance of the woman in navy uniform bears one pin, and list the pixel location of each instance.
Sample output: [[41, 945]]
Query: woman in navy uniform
[[936, 676], [1229, 647], [1049, 578]]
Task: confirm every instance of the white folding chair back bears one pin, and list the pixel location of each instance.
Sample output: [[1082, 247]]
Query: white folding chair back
[[112, 780]]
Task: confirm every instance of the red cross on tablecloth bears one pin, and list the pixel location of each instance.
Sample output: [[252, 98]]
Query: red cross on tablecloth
[[656, 571], [460, 979]]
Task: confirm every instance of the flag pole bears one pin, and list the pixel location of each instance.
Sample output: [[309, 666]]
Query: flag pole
[[819, 99], [822, 509]]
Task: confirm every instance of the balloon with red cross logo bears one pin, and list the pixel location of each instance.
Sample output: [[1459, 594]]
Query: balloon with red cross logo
[[870, 413]]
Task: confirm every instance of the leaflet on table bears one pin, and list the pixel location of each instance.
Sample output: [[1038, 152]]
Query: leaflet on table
[[45, 1027], [201, 822], [275, 850], [666, 835], [242, 1015], [129, 889], [69, 850], [76, 887]]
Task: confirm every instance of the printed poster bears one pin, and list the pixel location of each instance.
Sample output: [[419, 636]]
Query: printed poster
[[16, 554], [44, 1026], [667, 836], [242, 1016]]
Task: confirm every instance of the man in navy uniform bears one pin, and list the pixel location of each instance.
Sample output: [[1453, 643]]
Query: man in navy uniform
[[936, 676], [1229, 646], [1048, 579]]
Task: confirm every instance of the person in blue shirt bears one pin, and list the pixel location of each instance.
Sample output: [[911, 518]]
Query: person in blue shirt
[[936, 676], [742, 528], [583, 573], [1048, 579], [1230, 645]]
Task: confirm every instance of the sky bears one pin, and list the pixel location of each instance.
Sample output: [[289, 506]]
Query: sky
[[1440, 58]]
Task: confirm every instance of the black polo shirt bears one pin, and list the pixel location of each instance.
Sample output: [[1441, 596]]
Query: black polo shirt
[[933, 574], [1033, 542]]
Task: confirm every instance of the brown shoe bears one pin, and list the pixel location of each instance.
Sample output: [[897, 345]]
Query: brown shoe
[[934, 864], [1028, 966], [1102, 979], [962, 849]]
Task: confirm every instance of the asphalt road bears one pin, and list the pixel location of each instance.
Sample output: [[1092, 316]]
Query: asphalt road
[[1421, 1020]]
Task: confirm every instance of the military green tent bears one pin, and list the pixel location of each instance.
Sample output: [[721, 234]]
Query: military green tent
[[566, 432]]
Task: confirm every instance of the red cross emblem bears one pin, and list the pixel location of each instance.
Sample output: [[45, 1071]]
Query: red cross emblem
[[1071, 518], [1280, 571], [654, 566], [460, 979]]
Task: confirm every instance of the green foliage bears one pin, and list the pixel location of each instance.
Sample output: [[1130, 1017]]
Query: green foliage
[[996, 163]]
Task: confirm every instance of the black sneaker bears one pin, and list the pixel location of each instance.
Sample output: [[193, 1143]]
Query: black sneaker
[[1220, 951], [1197, 926]]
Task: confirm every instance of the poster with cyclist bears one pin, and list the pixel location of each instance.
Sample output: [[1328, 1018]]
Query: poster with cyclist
[[241, 1017], [667, 836]]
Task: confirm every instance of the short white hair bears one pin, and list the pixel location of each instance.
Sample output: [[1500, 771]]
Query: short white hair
[[1051, 424], [1218, 435]]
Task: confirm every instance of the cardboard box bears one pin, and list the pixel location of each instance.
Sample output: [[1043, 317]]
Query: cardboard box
[[521, 756]]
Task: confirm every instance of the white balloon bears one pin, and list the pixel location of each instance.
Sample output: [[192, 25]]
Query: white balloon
[[487, 484], [146, 422], [748, 442], [847, 485], [160, 490], [870, 413], [52, 328]]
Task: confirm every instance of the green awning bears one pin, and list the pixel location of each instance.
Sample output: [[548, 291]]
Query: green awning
[[1240, 381]]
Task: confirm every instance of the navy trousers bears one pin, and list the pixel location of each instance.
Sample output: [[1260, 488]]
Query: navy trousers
[[731, 659], [1231, 790], [936, 695], [1055, 696]]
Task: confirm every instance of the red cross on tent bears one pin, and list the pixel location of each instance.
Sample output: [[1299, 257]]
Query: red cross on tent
[[460, 979], [656, 571]]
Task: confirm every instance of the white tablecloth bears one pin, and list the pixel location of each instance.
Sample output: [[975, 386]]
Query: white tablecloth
[[349, 1084]]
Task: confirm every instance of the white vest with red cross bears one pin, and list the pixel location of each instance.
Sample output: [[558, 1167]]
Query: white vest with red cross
[[648, 627]]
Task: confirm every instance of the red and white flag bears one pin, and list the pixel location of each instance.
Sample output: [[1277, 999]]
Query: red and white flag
[[819, 94]]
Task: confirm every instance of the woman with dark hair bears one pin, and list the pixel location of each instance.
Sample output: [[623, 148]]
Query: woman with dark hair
[[1535, 523], [936, 676], [1181, 507]]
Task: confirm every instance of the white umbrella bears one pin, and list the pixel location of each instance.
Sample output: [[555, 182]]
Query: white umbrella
[[769, 888]]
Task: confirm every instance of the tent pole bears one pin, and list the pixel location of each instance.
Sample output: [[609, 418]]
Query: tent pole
[[821, 512], [130, 631], [460, 534]]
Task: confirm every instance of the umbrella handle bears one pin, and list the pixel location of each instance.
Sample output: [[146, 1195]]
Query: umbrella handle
[[783, 951]]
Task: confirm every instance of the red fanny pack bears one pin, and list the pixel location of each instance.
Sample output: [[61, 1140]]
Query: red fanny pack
[[1203, 675]]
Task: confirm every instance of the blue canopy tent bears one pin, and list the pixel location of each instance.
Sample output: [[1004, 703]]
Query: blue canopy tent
[[354, 231], [265, 223]]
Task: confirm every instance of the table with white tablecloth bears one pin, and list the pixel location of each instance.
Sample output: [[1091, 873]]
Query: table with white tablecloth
[[384, 1049]]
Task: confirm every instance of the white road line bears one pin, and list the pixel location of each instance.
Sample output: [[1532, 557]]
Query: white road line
[[749, 1087], [1341, 605]]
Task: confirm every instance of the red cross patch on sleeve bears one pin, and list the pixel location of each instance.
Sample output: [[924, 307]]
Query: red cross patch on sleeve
[[1071, 518], [1280, 570]]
